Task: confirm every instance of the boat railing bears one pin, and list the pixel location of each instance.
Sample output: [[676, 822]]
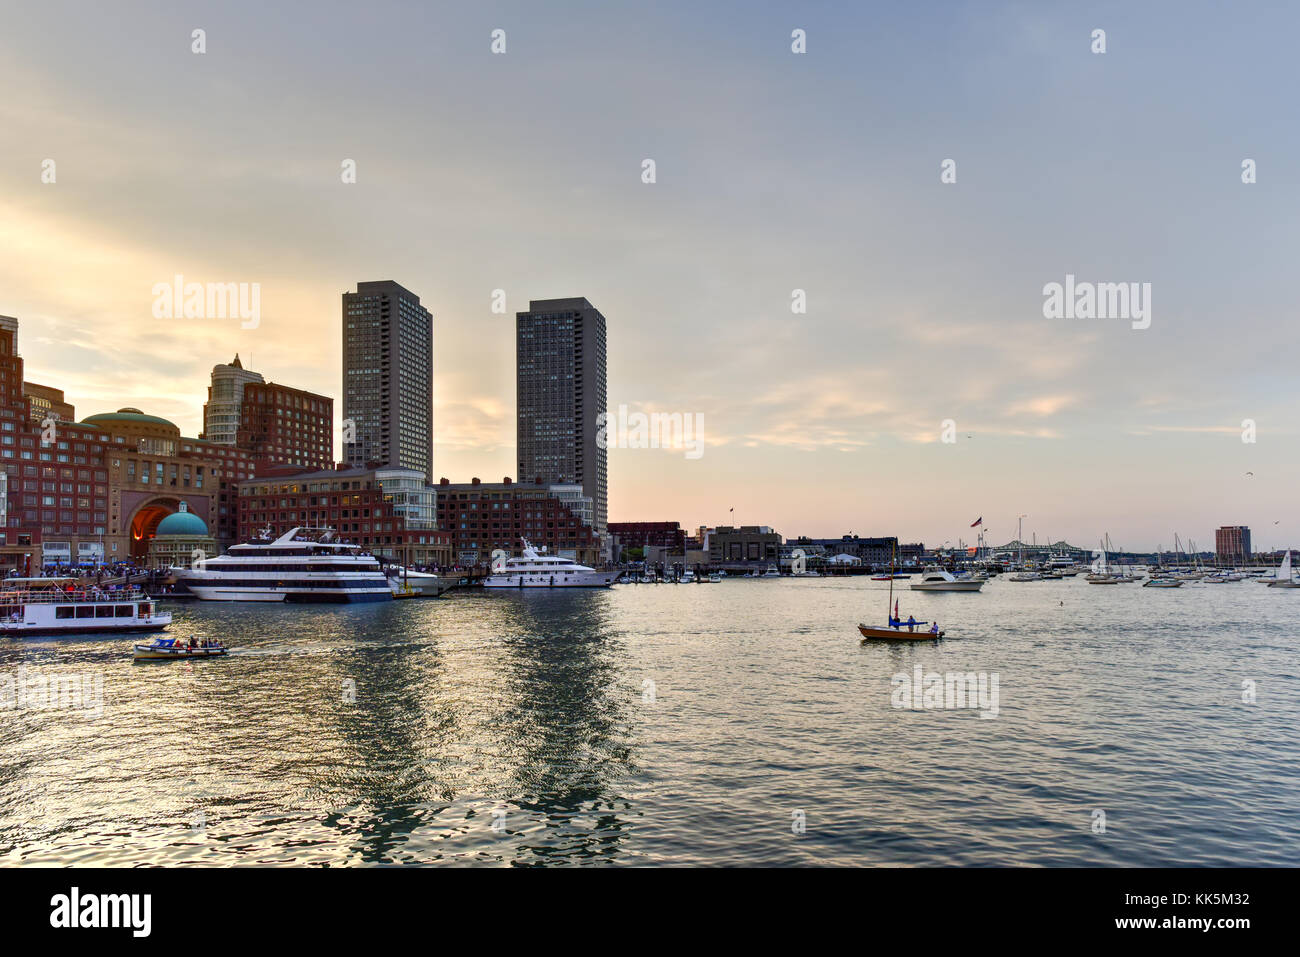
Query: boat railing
[[77, 596]]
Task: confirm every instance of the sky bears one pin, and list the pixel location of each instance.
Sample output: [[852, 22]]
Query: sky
[[775, 171]]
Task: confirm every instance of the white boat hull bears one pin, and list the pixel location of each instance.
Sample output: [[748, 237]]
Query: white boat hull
[[946, 586], [575, 580]]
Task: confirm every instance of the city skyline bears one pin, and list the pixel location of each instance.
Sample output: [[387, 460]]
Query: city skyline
[[924, 299]]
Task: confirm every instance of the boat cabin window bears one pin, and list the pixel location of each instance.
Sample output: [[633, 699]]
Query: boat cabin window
[[86, 611], [63, 612], [123, 611], [103, 611]]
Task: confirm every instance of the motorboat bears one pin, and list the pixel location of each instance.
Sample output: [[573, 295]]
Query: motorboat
[[688, 577], [534, 569], [772, 572], [714, 578], [935, 578], [64, 606], [1025, 577], [174, 649], [406, 583], [1162, 583]]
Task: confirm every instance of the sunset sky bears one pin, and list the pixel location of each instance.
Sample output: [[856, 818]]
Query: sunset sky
[[775, 171]]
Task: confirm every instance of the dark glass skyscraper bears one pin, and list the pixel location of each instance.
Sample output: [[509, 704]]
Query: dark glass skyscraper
[[560, 389], [387, 378]]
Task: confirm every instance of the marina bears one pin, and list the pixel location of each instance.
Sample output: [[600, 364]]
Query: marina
[[602, 723]]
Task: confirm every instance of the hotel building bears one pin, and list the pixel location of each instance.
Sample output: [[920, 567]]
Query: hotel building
[[387, 378], [560, 390], [1232, 543]]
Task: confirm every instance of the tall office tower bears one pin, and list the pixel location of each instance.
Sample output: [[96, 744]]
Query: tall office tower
[[387, 378], [560, 389], [225, 396]]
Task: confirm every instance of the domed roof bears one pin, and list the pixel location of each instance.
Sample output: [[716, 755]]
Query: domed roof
[[126, 415], [182, 523]]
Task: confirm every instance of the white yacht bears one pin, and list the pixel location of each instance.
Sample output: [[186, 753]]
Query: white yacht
[[935, 578], [407, 583], [62, 606], [533, 570], [303, 564]]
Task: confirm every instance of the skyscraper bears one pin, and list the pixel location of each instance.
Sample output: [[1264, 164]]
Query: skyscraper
[[560, 389], [225, 397], [387, 378]]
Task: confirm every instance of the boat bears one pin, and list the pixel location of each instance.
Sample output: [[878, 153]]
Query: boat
[[935, 578], [533, 569], [173, 649], [1101, 574], [1026, 577], [646, 580], [715, 578], [1162, 583], [63, 606], [688, 577], [303, 564], [1283, 578], [772, 572], [895, 630], [405, 583]]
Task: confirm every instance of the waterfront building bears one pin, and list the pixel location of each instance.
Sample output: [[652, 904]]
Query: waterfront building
[[179, 540], [669, 535], [1232, 544], [387, 378], [222, 411], [280, 424], [748, 543], [44, 402], [484, 516], [388, 511], [560, 390]]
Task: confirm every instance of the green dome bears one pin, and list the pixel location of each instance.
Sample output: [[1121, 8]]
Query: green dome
[[182, 523], [126, 415]]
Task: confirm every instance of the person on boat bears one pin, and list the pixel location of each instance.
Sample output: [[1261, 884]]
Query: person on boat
[[934, 629], [911, 623]]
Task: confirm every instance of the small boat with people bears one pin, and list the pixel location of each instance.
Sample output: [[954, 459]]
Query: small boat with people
[[894, 631], [177, 649], [66, 606]]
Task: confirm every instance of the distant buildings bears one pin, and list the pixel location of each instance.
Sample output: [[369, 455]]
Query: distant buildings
[[287, 426], [749, 543], [47, 403], [560, 390], [279, 424], [221, 413], [387, 378], [1232, 543], [669, 535], [481, 517]]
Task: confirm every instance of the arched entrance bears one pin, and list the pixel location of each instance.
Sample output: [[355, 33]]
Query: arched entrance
[[144, 524]]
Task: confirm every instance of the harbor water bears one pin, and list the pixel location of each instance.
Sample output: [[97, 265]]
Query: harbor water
[[739, 723]]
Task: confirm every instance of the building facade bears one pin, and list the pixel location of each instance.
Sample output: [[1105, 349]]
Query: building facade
[[222, 411], [748, 543], [560, 390], [44, 402], [388, 512], [484, 516], [287, 426], [387, 378], [669, 535], [1232, 543]]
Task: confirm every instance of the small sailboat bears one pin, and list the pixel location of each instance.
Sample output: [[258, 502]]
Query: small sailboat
[[895, 630], [1284, 579]]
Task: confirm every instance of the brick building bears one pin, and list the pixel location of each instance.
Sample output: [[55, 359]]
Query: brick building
[[482, 517], [668, 535], [282, 424]]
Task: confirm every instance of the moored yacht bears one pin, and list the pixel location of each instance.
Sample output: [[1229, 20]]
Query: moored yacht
[[534, 570], [935, 578], [303, 564]]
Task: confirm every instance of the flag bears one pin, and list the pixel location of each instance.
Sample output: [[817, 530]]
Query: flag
[[978, 521], [895, 608]]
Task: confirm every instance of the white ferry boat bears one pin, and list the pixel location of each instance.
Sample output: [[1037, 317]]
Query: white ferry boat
[[59, 606], [303, 564], [533, 570]]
